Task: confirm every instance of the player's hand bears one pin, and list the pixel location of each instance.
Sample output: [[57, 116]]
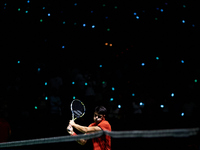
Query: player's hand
[[72, 123], [70, 129]]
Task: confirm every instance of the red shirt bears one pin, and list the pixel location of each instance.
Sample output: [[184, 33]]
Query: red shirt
[[4, 130], [103, 142]]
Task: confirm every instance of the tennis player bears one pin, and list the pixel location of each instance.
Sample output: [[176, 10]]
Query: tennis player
[[100, 143]]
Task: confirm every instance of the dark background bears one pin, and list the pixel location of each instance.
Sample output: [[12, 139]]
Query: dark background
[[134, 41]]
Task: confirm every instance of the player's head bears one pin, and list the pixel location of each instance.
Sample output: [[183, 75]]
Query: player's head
[[99, 113]]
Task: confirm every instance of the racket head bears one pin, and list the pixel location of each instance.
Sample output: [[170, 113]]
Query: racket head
[[77, 109]]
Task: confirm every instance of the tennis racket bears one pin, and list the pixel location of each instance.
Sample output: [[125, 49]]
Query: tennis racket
[[77, 109]]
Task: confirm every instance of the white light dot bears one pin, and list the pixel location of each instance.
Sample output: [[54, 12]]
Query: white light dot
[[141, 104]]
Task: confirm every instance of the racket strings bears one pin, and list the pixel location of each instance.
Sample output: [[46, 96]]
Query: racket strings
[[78, 109]]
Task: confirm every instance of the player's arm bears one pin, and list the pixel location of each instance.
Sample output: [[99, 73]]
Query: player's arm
[[84, 129], [72, 133]]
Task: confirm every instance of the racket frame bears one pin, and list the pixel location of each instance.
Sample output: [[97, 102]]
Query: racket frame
[[72, 109]]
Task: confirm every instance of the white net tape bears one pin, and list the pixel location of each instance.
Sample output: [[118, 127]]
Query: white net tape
[[177, 133]]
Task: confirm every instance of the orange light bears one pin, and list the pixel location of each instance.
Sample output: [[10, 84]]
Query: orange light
[[110, 44], [106, 43]]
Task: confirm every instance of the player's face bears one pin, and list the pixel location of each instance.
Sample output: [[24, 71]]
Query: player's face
[[98, 117]]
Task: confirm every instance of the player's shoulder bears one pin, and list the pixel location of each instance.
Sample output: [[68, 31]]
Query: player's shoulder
[[105, 123]]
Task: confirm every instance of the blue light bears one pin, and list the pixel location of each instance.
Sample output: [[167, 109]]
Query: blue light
[[73, 82], [74, 97], [111, 99], [143, 64], [193, 25], [100, 66], [28, 1], [39, 69], [43, 7], [161, 10], [134, 13], [183, 21], [119, 106], [141, 104], [75, 4], [182, 114], [113, 88], [157, 8], [133, 94], [161, 106], [63, 22], [26, 11], [84, 25], [182, 61], [91, 11], [18, 62], [49, 14], [93, 26], [45, 83], [63, 46], [172, 95], [137, 17], [106, 17], [46, 98], [85, 83], [157, 58]]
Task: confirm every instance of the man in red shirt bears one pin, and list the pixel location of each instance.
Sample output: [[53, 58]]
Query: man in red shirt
[[100, 143]]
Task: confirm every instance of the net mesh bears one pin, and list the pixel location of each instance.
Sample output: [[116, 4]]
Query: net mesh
[[138, 139]]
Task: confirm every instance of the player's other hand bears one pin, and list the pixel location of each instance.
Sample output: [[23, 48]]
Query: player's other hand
[[70, 129]]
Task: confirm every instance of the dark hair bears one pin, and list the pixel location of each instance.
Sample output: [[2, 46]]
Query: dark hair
[[101, 110]]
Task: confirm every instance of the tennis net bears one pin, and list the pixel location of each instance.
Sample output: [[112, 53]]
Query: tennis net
[[136, 138]]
